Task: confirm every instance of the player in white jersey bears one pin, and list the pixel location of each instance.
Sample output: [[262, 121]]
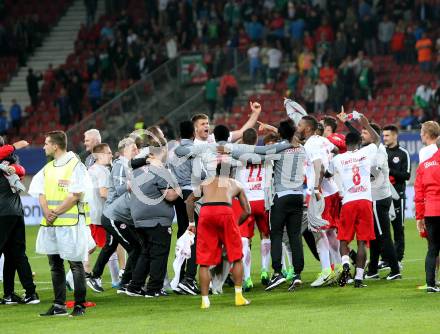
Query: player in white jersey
[[252, 176], [319, 151], [100, 177], [356, 218], [381, 195], [203, 135]]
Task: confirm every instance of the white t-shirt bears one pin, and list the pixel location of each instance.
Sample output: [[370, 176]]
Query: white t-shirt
[[380, 184], [275, 56], [427, 152], [253, 52], [319, 148], [253, 179], [354, 169], [425, 93], [100, 176]]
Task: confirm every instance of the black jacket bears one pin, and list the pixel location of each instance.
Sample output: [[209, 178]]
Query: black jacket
[[400, 168], [10, 203]]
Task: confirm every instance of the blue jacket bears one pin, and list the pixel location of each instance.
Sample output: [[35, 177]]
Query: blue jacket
[[15, 112], [3, 124]]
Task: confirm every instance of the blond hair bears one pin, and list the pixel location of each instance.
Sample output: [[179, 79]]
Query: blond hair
[[432, 129]]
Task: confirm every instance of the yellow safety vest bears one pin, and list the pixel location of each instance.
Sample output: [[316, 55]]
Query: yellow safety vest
[[56, 185], [139, 125]]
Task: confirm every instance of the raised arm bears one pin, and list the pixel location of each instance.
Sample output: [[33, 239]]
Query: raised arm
[[366, 124], [191, 151], [256, 110], [342, 116], [262, 150]]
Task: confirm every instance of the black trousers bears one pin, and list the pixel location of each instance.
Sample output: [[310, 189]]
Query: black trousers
[[118, 233], [287, 211], [153, 259], [399, 228], [13, 246], [189, 267], [59, 280], [433, 231], [382, 229]]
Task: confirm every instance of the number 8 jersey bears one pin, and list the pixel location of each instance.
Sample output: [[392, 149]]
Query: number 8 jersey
[[354, 168]]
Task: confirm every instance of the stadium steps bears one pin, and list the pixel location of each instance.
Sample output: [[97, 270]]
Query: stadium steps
[[55, 49]]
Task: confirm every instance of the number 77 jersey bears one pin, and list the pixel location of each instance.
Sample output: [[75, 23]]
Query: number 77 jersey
[[253, 178], [354, 169]]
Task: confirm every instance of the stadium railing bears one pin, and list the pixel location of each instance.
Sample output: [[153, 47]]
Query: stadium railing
[[159, 93]]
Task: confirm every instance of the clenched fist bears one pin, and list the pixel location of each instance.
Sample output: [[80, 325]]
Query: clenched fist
[[20, 144], [255, 107]]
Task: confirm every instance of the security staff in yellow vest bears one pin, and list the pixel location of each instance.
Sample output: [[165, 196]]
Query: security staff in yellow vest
[[62, 188]]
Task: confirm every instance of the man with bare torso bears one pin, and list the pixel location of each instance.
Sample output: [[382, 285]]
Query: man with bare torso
[[217, 228]]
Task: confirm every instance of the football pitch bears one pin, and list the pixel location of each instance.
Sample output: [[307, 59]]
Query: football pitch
[[382, 307]]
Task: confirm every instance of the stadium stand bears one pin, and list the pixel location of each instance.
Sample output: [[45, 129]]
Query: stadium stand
[[365, 54]]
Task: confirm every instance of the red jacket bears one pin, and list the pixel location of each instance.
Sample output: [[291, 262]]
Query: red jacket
[[6, 151], [427, 188], [339, 141]]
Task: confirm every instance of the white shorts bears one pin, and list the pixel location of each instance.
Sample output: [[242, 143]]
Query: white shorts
[[71, 243]]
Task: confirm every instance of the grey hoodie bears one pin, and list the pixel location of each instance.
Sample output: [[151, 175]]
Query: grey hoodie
[[118, 180], [288, 164]]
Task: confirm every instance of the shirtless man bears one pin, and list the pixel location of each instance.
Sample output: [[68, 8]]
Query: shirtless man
[[217, 227]]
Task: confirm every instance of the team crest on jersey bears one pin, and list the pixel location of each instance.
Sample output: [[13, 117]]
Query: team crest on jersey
[[396, 160], [123, 226]]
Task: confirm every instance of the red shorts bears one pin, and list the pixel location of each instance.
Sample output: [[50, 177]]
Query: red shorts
[[258, 216], [217, 227], [99, 234], [356, 217], [332, 210]]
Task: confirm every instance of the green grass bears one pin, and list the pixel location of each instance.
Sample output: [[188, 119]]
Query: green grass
[[382, 307]]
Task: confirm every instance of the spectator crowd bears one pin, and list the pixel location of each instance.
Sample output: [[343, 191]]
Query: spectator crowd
[[325, 60]]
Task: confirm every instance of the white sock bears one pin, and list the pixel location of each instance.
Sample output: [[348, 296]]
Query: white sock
[[345, 259], [265, 254], [323, 250], [69, 279], [225, 271], [288, 251], [333, 242], [86, 266], [2, 261], [359, 273], [113, 266], [246, 258], [238, 289], [283, 257], [205, 300]]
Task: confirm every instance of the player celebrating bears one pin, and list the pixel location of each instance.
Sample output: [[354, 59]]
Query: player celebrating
[[356, 216], [253, 178], [381, 195], [319, 151], [216, 227], [201, 126], [287, 208]]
